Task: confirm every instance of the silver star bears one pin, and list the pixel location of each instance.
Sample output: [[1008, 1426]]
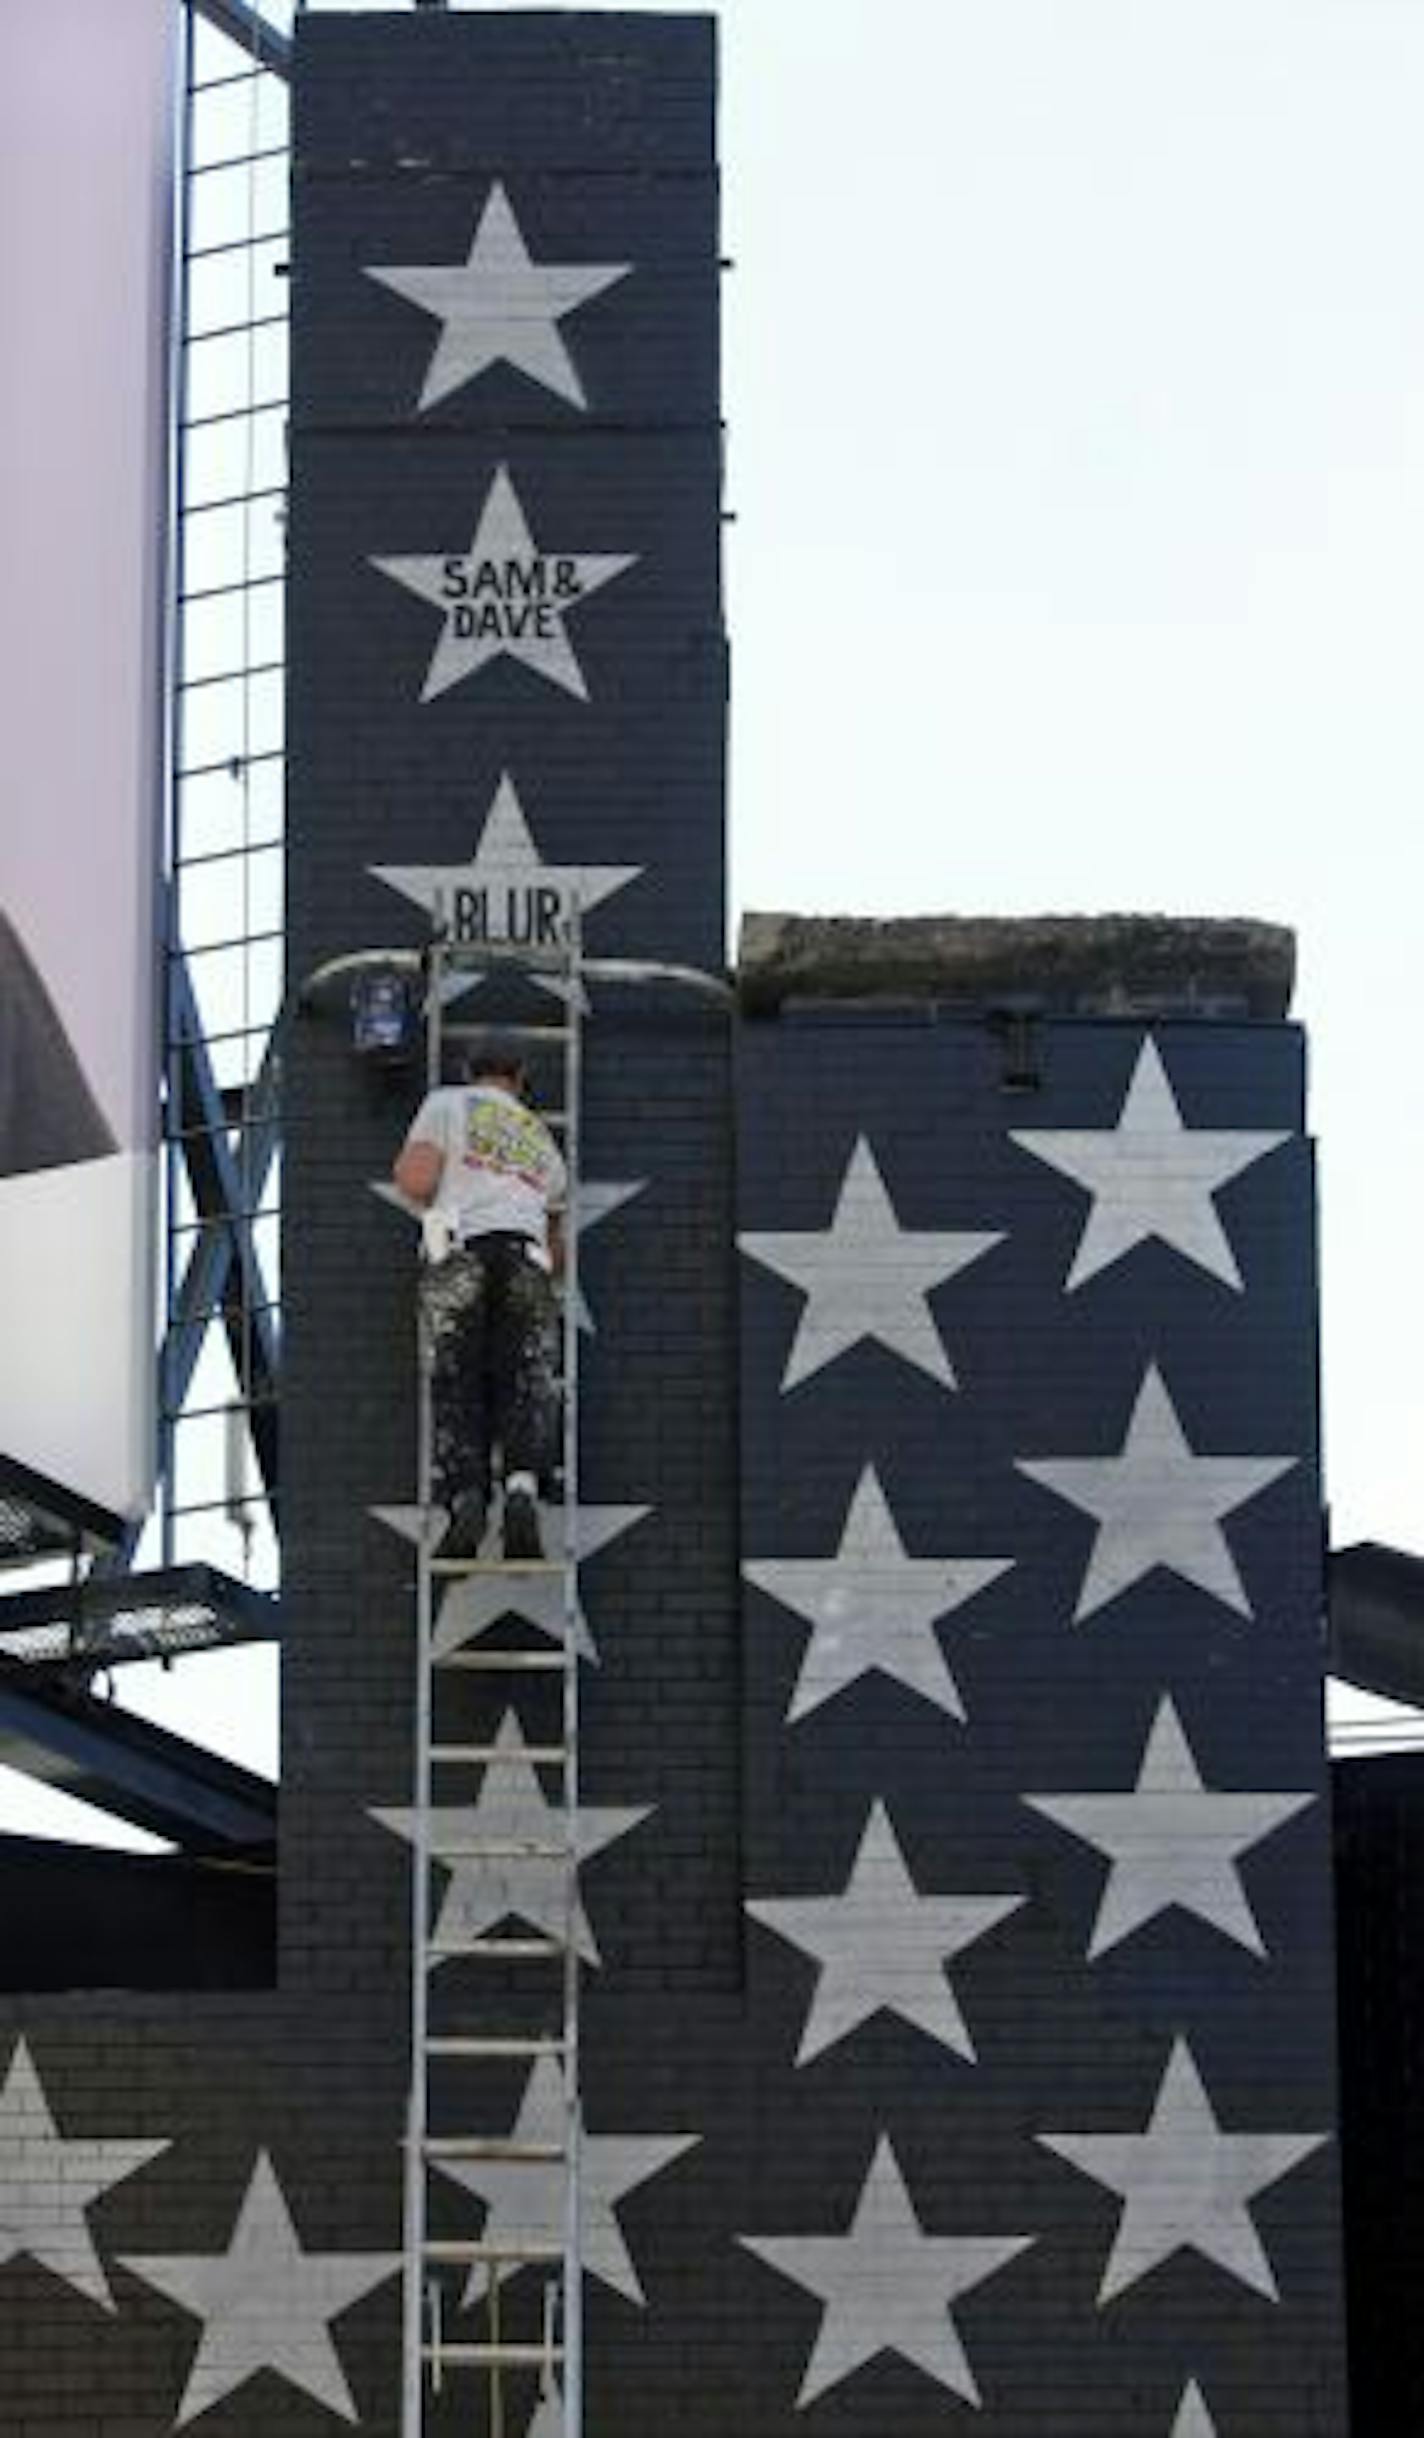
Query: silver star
[[499, 307], [1193, 2420], [886, 2285], [1185, 2185], [511, 1809], [872, 1607], [1172, 1841], [548, 2416], [865, 1276], [882, 1945], [475, 1603], [504, 596], [506, 891], [525, 2197], [47, 2183], [1158, 1504], [265, 2303], [411, 1523], [1151, 1176], [592, 1205]]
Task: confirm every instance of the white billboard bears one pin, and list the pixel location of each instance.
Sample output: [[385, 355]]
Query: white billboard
[[86, 187]]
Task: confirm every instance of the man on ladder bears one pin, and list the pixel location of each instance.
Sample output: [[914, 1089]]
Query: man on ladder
[[488, 1175]]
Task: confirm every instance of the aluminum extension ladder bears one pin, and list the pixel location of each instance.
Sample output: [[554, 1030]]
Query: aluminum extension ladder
[[504, 2021]]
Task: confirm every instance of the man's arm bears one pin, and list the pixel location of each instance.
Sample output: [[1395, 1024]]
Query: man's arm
[[558, 1247], [417, 1172]]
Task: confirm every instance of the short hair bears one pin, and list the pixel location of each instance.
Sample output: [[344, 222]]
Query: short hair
[[496, 1054]]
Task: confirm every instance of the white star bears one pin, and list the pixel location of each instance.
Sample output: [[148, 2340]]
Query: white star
[[882, 1945], [47, 2183], [499, 307], [511, 1809], [1193, 2420], [474, 1603], [506, 891], [525, 2197], [1185, 2185], [1172, 1841], [265, 2303], [886, 2285], [865, 1276], [1151, 1176], [592, 1205], [872, 1607], [411, 1523], [504, 596], [1158, 1504], [548, 2416]]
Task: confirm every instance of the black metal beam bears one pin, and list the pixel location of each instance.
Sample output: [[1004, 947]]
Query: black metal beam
[[102, 1621], [41, 1518], [1377, 1620], [228, 1178], [247, 27], [133, 1770]]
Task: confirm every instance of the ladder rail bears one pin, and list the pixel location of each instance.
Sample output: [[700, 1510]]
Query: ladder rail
[[572, 2296], [417, 2109], [426, 2354]]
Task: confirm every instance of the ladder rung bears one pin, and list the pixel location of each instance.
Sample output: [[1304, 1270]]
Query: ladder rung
[[488, 2357], [470, 2044], [521, 1032], [498, 1949], [492, 2146], [447, 1755], [470, 2255], [520, 1567], [514, 1663], [507, 1849]]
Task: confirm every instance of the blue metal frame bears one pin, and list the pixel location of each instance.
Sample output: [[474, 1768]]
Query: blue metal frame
[[247, 26]]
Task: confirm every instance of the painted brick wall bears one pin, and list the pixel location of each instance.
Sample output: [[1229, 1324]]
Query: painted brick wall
[[161, 2155], [1379, 1861], [596, 135], [1116, 1603]]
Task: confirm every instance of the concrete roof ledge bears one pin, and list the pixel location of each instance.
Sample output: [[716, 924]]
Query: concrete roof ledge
[[1064, 964]]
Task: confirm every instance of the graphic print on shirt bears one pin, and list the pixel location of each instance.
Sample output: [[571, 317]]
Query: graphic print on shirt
[[512, 1141]]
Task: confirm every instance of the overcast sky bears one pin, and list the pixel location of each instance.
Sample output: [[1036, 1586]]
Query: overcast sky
[[1076, 383]]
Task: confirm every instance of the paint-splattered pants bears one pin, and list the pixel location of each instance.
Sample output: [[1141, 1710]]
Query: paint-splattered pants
[[487, 1315]]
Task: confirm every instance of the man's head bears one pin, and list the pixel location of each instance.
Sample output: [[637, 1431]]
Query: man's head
[[498, 1059]]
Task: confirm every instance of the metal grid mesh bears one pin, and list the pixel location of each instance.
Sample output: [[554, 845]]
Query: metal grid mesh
[[106, 1621], [225, 847]]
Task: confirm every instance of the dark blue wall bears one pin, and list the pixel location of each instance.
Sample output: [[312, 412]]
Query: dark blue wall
[[1064, 2044]]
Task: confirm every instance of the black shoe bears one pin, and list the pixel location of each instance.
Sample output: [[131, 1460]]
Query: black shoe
[[466, 1529], [521, 1527]]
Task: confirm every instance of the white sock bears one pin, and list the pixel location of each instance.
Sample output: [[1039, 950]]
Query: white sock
[[519, 1485]]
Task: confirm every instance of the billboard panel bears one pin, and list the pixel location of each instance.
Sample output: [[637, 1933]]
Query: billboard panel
[[86, 119]]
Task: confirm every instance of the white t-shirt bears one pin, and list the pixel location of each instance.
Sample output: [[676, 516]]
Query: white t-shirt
[[502, 1166]]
